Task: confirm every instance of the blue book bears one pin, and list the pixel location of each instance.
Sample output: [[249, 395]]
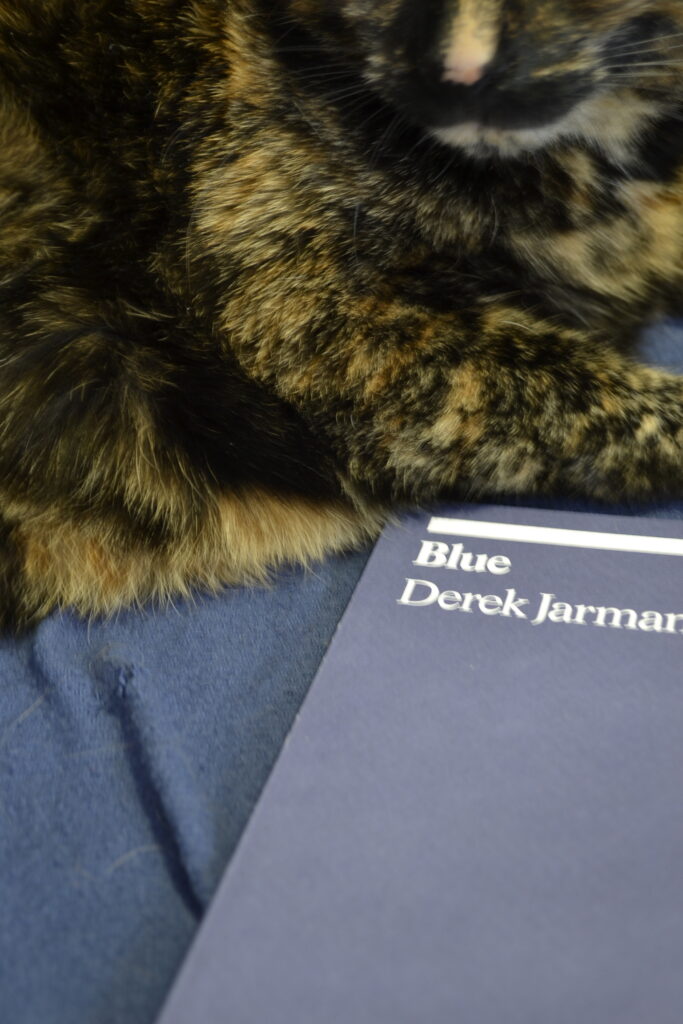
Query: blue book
[[478, 815]]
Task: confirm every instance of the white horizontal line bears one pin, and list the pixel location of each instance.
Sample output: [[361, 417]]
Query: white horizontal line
[[551, 535]]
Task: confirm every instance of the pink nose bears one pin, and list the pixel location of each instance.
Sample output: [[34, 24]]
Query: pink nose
[[463, 73]]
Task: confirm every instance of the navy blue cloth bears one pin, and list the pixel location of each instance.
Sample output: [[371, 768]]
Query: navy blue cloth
[[131, 754]]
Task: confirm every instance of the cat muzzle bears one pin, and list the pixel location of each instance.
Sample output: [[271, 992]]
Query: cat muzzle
[[466, 94]]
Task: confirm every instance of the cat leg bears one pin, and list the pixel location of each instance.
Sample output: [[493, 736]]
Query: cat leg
[[107, 497], [49, 560], [492, 402]]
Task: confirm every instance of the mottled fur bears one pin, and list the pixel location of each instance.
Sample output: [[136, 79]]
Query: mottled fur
[[262, 278]]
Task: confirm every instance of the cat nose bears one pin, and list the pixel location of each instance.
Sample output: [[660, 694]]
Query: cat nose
[[471, 46], [464, 72]]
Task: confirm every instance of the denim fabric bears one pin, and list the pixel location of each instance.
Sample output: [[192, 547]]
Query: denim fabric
[[131, 754]]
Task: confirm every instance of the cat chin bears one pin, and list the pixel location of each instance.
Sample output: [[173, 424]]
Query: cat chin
[[480, 141], [608, 121]]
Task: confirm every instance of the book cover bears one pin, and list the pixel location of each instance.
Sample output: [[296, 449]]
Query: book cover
[[478, 815]]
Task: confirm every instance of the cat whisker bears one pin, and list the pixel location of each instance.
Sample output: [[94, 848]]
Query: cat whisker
[[297, 49], [334, 97], [649, 44], [322, 73], [385, 137], [647, 64]]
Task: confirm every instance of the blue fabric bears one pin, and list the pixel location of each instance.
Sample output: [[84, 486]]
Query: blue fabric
[[131, 754]]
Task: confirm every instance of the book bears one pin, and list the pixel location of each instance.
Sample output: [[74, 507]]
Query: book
[[477, 817]]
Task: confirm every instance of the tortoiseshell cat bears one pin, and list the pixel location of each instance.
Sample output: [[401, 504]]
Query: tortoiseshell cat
[[271, 267]]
